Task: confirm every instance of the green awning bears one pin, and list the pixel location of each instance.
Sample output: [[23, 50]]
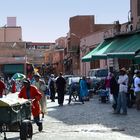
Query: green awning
[[13, 68], [102, 50], [101, 47], [125, 46], [122, 46], [88, 56]]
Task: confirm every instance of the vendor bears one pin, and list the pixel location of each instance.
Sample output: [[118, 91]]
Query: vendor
[[29, 91]]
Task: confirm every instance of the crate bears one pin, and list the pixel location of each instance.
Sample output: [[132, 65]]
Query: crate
[[14, 112]]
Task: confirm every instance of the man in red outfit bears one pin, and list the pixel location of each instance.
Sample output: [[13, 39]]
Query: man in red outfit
[[2, 87], [31, 92]]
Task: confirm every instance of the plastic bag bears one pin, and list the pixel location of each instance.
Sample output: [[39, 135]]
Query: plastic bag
[[111, 99]]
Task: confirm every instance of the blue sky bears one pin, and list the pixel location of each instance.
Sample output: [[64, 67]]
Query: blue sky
[[47, 20]]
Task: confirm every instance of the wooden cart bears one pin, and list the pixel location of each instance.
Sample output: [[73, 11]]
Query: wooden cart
[[15, 116]]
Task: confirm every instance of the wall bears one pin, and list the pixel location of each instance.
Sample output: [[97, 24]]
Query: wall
[[87, 44], [134, 9], [10, 34]]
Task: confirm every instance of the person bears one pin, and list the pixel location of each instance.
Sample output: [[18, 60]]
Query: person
[[137, 89], [123, 88], [130, 93], [52, 88], [114, 89], [74, 87], [83, 89], [40, 84], [2, 87], [107, 82], [60, 85], [30, 92], [13, 88]]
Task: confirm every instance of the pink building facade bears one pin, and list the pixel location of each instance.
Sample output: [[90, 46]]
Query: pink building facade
[[87, 44]]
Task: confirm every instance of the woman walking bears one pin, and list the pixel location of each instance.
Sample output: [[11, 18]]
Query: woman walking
[[40, 84]]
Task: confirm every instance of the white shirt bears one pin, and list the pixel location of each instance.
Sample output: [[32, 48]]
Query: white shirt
[[123, 79], [136, 82]]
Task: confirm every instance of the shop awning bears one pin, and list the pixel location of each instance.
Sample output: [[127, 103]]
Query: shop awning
[[88, 56], [125, 47], [97, 51]]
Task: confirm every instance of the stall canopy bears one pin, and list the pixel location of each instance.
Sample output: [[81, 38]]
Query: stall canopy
[[122, 46], [100, 47], [125, 47]]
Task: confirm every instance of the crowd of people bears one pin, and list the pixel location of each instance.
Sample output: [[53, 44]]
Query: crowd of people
[[125, 89]]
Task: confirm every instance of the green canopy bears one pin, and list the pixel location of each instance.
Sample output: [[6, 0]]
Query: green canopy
[[125, 47], [88, 56], [122, 46], [100, 47]]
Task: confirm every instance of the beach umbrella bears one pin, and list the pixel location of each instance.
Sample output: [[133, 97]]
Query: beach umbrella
[[18, 76]]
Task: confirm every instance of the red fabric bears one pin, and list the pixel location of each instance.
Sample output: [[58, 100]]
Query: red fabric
[[107, 83], [2, 87], [13, 87], [34, 94]]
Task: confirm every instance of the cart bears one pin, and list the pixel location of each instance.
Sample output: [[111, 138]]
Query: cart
[[16, 117], [104, 95]]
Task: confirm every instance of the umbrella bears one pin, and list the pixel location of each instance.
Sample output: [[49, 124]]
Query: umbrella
[[18, 76]]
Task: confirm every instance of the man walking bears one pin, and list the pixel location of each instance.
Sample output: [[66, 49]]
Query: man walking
[[60, 85], [52, 88], [137, 89], [123, 88]]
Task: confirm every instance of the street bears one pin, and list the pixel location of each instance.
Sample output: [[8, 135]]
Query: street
[[91, 121]]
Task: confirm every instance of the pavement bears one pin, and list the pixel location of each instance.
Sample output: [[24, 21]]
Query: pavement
[[91, 121]]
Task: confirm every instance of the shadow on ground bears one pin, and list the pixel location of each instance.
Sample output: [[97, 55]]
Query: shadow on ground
[[94, 112]]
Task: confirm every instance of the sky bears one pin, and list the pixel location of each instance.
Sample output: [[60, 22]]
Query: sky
[[47, 20]]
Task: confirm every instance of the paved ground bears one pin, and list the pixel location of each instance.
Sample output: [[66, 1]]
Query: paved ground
[[90, 121]]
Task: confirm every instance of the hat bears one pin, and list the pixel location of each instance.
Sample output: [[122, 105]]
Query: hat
[[123, 69], [37, 75]]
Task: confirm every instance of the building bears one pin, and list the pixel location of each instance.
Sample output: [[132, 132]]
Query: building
[[134, 14], [123, 46], [11, 32], [12, 58], [13, 49], [80, 26], [54, 60]]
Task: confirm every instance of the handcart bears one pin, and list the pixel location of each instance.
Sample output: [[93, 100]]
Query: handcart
[[15, 116]]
